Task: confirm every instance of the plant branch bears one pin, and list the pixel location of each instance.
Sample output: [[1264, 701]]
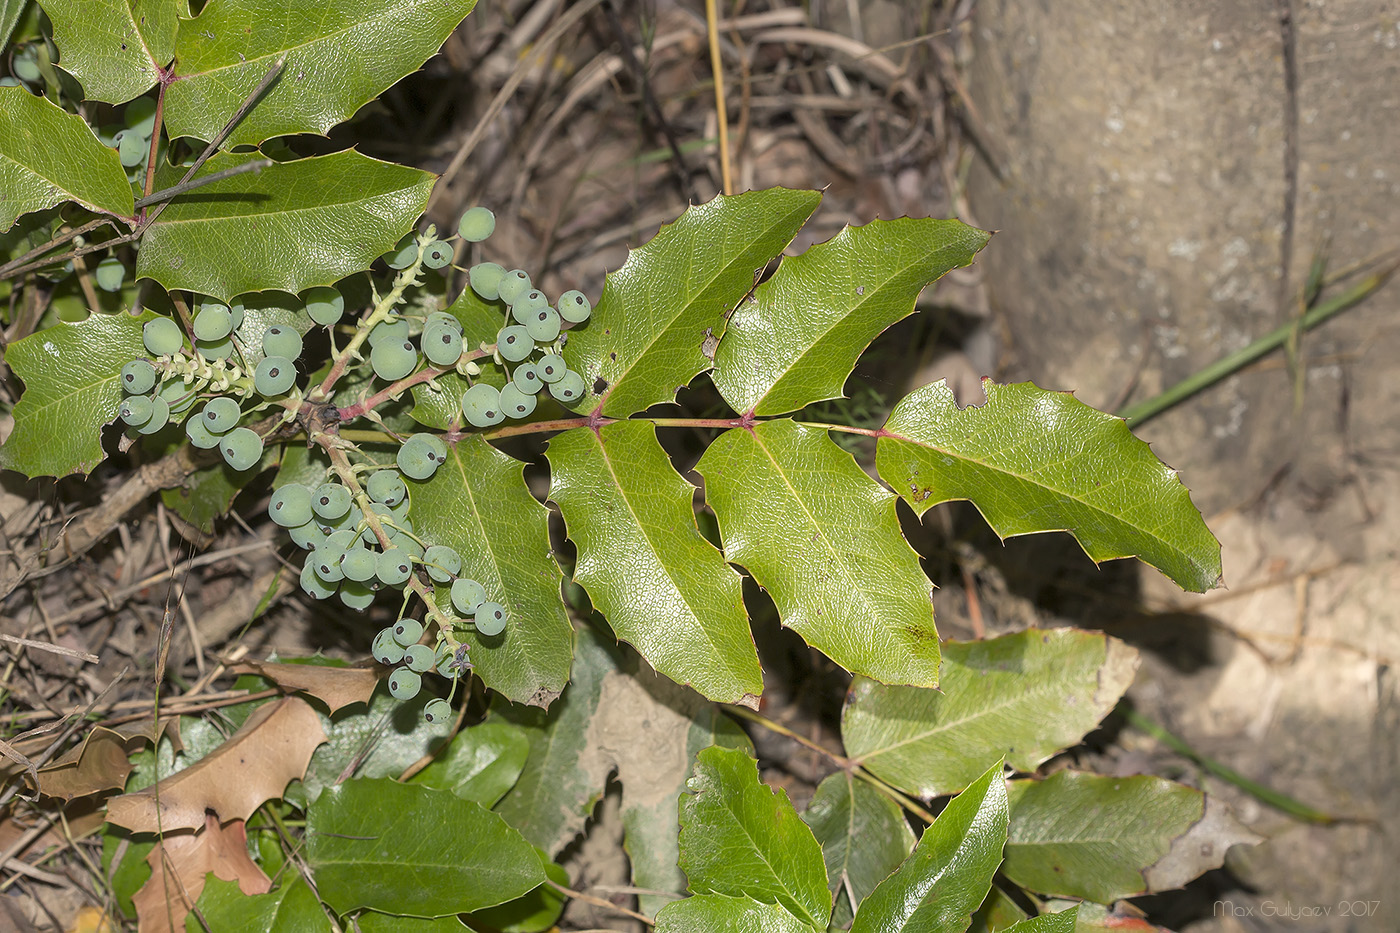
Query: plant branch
[[426, 374], [599, 902], [845, 764], [381, 312], [165, 194], [744, 712], [1135, 415], [341, 464]]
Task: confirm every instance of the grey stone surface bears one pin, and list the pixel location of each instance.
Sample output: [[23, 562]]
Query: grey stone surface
[[1164, 196]]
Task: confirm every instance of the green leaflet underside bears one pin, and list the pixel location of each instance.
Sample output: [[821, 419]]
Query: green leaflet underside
[[864, 837], [950, 871], [646, 567], [822, 537], [1086, 835], [1024, 696], [1033, 460], [372, 842]]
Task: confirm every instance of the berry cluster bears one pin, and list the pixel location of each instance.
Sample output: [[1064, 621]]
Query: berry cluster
[[176, 379], [355, 524], [538, 328]]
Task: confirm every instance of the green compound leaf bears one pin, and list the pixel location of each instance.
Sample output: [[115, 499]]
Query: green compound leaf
[[71, 375], [116, 48], [481, 764], [797, 338], [1104, 838], [1024, 696], [741, 839], [948, 875], [478, 504], [1032, 460], [410, 850], [225, 908], [714, 913], [289, 227], [863, 835], [646, 567], [338, 57], [48, 156], [821, 536], [655, 325]]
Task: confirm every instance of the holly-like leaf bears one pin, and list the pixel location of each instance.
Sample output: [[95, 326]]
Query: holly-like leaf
[[797, 338], [478, 504], [741, 839], [863, 835], [557, 789], [293, 906], [337, 58], [1033, 460], [1103, 838], [714, 913], [663, 588], [48, 156], [654, 328], [291, 226], [950, 871], [180, 863], [407, 849], [72, 388], [116, 48], [821, 536], [615, 718], [1024, 696], [481, 764]]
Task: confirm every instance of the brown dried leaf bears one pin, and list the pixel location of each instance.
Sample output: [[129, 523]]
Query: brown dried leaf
[[253, 766], [99, 763], [334, 686], [179, 863]]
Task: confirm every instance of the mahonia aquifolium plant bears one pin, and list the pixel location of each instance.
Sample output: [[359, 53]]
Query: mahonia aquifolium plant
[[234, 309], [356, 526]]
